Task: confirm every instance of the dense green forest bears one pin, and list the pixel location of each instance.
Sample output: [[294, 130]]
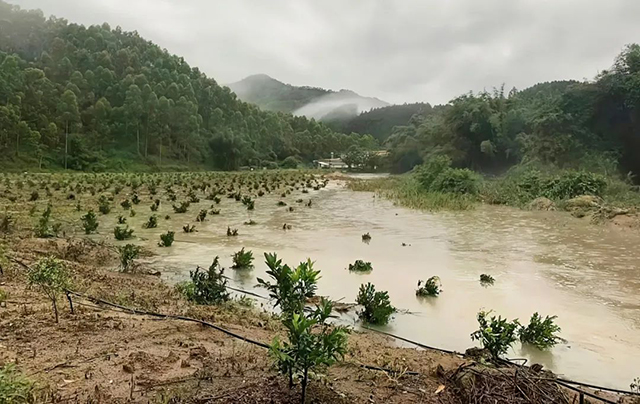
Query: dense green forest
[[566, 124], [100, 98], [378, 122]]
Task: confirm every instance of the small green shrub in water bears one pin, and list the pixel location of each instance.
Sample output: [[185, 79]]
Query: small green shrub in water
[[486, 280], [540, 333], [135, 199], [232, 232], [377, 308], [366, 237], [52, 277], [360, 266], [122, 233], [201, 216], [122, 220], [89, 222], [126, 204], [152, 223], [166, 239], [184, 206], [128, 253], [496, 334], [635, 385], [242, 259], [187, 228], [208, 287], [432, 287], [14, 387]]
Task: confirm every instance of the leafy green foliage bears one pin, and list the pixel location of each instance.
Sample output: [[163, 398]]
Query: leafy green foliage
[[377, 308], [166, 239], [486, 279], [14, 387], [431, 287], [188, 228], [360, 266], [242, 259], [182, 208], [128, 253], [202, 215], [496, 334], [206, 287], [122, 233], [292, 287], [44, 228], [541, 333], [312, 344], [52, 277], [232, 232], [90, 222]]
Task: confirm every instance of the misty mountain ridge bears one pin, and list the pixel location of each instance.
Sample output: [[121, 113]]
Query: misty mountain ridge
[[313, 102]]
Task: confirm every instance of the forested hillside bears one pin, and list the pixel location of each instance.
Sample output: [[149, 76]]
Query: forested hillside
[[567, 124], [96, 97], [379, 122]]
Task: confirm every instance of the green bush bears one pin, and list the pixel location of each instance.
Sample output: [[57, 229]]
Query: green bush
[[122, 233], [242, 259], [90, 222], [128, 253], [430, 170], [14, 387], [44, 228], [575, 183], [202, 215], [377, 308], [152, 223], [429, 288], [208, 287], [104, 206], [184, 206], [360, 266], [290, 162], [456, 181], [496, 334], [52, 277], [540, 333], [166, 239]]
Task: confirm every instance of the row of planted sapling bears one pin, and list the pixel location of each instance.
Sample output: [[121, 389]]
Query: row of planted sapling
[[72, 201]]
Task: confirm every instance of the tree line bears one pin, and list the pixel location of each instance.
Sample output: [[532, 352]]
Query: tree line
[[567, 124], [81, 97]]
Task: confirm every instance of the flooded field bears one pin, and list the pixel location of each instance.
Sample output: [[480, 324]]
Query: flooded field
[[547, 262]]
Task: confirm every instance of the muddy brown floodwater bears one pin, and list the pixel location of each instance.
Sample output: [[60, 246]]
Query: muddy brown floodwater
[[548, 262]]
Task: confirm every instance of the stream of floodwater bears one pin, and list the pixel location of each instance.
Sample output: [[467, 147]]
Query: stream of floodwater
[[546, 262]]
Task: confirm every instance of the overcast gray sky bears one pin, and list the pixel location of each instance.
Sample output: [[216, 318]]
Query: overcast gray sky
[[396, 50]]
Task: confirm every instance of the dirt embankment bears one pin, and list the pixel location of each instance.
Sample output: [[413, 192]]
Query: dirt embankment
[[103, 355]]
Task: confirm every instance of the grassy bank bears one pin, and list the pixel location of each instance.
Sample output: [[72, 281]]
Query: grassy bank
[[436, 186]]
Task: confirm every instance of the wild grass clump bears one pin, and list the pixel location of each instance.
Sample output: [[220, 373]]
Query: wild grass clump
[[360, 266], [242, 259], [15, 388], [541, 333], [377, 308], [89, 222], [432, 287], [128, 253], [166, 239]]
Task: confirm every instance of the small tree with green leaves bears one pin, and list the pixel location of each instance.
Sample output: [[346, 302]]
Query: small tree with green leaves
[[540, 333], [496, 334], [313, 345], [51, 276], [104, 206], [360, 266], [292, 287], [122, 233], [152, 223], [377, 308], [432, 287], [128, 253], [242, 259], [166, 239], [44, 228], [206, 287], [90, 222]]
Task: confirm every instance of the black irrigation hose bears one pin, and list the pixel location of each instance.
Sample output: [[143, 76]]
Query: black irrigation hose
[[631, 393], [413, 342], [586, 393]]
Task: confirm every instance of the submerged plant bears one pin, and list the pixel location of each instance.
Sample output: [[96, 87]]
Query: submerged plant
[[232, 232], [201, 216], [128, 253], [540, 333], [208, 287], [377, 308], [152, 223], [122, 220], [242, 259], [496, 334], [360, 266], [366, 238], [89, 222], [52, 277], [486, 280], [184, 206], [432, 287], [187, 228], [122, 233], [166, 239]]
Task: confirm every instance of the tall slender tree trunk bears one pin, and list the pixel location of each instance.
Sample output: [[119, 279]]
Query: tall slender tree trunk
[[66, 144], [305, 379], [55, 309]]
